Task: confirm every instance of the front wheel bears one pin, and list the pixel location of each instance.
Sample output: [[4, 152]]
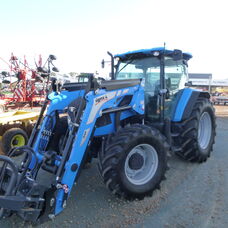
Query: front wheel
[[134, 161]]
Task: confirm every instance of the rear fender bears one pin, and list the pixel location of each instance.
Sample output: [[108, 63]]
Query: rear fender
[[186, 103]]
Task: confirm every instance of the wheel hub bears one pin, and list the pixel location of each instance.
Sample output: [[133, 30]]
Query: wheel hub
[[15, 142], [18, 140], [141, 164], [136, 161], [204, 130]]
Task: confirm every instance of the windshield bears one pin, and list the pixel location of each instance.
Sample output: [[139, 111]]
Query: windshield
[[149, 69], [137, 68]]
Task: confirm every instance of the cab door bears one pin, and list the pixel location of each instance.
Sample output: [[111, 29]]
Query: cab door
[[175, 79]]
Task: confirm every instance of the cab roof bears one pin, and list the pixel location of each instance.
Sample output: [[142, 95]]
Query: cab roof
[[150, 52]]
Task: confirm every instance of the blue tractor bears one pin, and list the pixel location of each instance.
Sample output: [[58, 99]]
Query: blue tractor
[[131, 124]]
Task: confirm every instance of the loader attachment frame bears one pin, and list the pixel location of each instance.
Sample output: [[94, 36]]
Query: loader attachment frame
[[21, 190]]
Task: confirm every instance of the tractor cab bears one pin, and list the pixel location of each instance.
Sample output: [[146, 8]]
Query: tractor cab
[[164, 73]]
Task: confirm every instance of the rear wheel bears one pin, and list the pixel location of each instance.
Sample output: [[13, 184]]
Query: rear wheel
[[134, 161], [12, 138], [197, 133]]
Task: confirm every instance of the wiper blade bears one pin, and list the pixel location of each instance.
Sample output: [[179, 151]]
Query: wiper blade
[[126, 65]]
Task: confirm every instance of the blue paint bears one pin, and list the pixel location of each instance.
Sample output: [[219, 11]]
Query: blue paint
[[182, 103], [94, 104], [149, 52], [58, 101]]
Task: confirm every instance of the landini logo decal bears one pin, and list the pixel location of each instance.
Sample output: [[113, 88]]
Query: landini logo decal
[[100, 99], [97, 104]]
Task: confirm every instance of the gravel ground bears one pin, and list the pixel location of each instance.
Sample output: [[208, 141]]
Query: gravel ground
[[221, 110], [194, 195]]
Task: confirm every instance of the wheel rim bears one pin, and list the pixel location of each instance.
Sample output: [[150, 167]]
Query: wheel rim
[[17, 140], [147, 169], [204, 130]]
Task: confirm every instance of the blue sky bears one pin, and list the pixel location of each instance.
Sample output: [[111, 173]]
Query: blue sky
[[80, 32]]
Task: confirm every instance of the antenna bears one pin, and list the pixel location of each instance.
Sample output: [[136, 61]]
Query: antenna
[[164, 46]]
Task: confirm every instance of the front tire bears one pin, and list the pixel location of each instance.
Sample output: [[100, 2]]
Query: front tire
[[58, 135], [134, 161]]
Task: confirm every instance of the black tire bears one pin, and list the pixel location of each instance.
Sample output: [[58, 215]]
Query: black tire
[[188, 142], [61, 127], [14, 136], [112, 163], [59, 134]]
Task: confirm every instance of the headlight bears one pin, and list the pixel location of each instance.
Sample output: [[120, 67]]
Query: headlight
[[156, 53]]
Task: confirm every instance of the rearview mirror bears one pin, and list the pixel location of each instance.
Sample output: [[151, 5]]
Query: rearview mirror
[[102, 64], [52, 57]]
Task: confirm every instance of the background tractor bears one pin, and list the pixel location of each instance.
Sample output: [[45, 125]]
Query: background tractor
[[131, 123]]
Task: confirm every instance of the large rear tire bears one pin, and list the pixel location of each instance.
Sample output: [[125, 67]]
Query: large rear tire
[[134, 161], [197, 134]]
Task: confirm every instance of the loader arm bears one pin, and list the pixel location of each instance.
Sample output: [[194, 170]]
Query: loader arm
[[77, 144], [83, 107]]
